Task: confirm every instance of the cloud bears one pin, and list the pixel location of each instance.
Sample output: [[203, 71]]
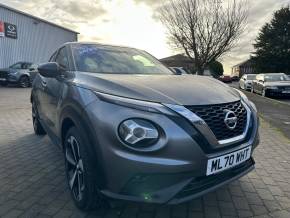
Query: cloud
[[64, 12], [134, 22], [260, 12]]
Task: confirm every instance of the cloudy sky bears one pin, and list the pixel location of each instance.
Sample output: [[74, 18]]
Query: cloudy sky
[[134, 23]]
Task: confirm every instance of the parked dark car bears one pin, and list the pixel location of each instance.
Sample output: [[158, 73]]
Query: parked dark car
[[272, 84], [130, 129], [235, 78], [225, 79], [21, 73], [178, 70]]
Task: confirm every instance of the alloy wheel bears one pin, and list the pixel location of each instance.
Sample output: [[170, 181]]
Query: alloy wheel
[[24, 82], [74, 168]]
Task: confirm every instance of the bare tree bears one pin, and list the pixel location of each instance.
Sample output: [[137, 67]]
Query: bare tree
[[204, 29]]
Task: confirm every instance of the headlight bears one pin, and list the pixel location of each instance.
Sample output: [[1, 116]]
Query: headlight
[[135, 104], [12, 72], [138, 132], [246, 100], [183, 111]]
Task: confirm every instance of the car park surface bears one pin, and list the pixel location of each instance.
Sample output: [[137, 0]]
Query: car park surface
[[32, 182]]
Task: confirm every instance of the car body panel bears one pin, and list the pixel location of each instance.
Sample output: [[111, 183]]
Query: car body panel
[[160, 88]]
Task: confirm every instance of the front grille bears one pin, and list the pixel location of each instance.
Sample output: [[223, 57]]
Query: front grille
[[3, 74], [214, 116], [284, 87]]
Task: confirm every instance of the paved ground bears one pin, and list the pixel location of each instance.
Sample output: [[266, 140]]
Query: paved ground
[[32, 180]]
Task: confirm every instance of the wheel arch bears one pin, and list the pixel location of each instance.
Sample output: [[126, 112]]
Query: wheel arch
[[74, 117]]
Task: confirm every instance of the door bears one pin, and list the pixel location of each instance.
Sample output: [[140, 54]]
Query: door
[[260, 83], [32, 71], [242, 82], [54, 87], [255, 83], [40, 93]]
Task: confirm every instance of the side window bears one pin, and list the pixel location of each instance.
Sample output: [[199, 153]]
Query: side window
[[26, 65], [62, 59], [52, 58], [178, 71]]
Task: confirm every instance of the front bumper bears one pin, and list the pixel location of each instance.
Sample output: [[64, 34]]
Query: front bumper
[[278, 92], [248, 86], [9, 79], [162, 174]]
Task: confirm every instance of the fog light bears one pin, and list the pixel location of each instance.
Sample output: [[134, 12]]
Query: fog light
[[138, 132]]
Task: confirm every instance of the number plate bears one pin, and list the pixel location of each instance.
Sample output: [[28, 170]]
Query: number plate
[[286, 92], [2, 79], [221, 163]]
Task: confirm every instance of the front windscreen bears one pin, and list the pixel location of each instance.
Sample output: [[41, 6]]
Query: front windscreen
[[115, 60], [16, 66], [251, 77], [276, 77]]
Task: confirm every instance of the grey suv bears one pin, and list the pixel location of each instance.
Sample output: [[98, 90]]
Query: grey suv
[[21, 73], [130, 129]]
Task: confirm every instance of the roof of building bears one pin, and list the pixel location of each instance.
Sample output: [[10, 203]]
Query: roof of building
[[36, 18], [249, 61], [179, 57]]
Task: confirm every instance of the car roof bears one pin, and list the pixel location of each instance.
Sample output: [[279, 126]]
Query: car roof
[[97, 44]]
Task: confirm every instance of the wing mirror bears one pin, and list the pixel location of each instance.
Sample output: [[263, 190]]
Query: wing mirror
[[50, 70]]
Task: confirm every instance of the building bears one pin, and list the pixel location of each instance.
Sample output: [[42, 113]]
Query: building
[[246, 67], [181, 60], [24, 37]]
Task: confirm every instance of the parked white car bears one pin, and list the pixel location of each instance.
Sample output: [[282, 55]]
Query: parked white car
[[246, 81]]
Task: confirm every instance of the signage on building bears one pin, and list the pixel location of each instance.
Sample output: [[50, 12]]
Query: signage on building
[[2, 29], [10, 30]]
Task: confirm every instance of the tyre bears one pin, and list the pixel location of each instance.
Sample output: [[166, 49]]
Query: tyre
[[81, 173], [38, 129], [4, 84], [24, 82]]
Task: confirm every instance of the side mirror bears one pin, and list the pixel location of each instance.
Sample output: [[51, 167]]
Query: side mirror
[[50, 70]]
